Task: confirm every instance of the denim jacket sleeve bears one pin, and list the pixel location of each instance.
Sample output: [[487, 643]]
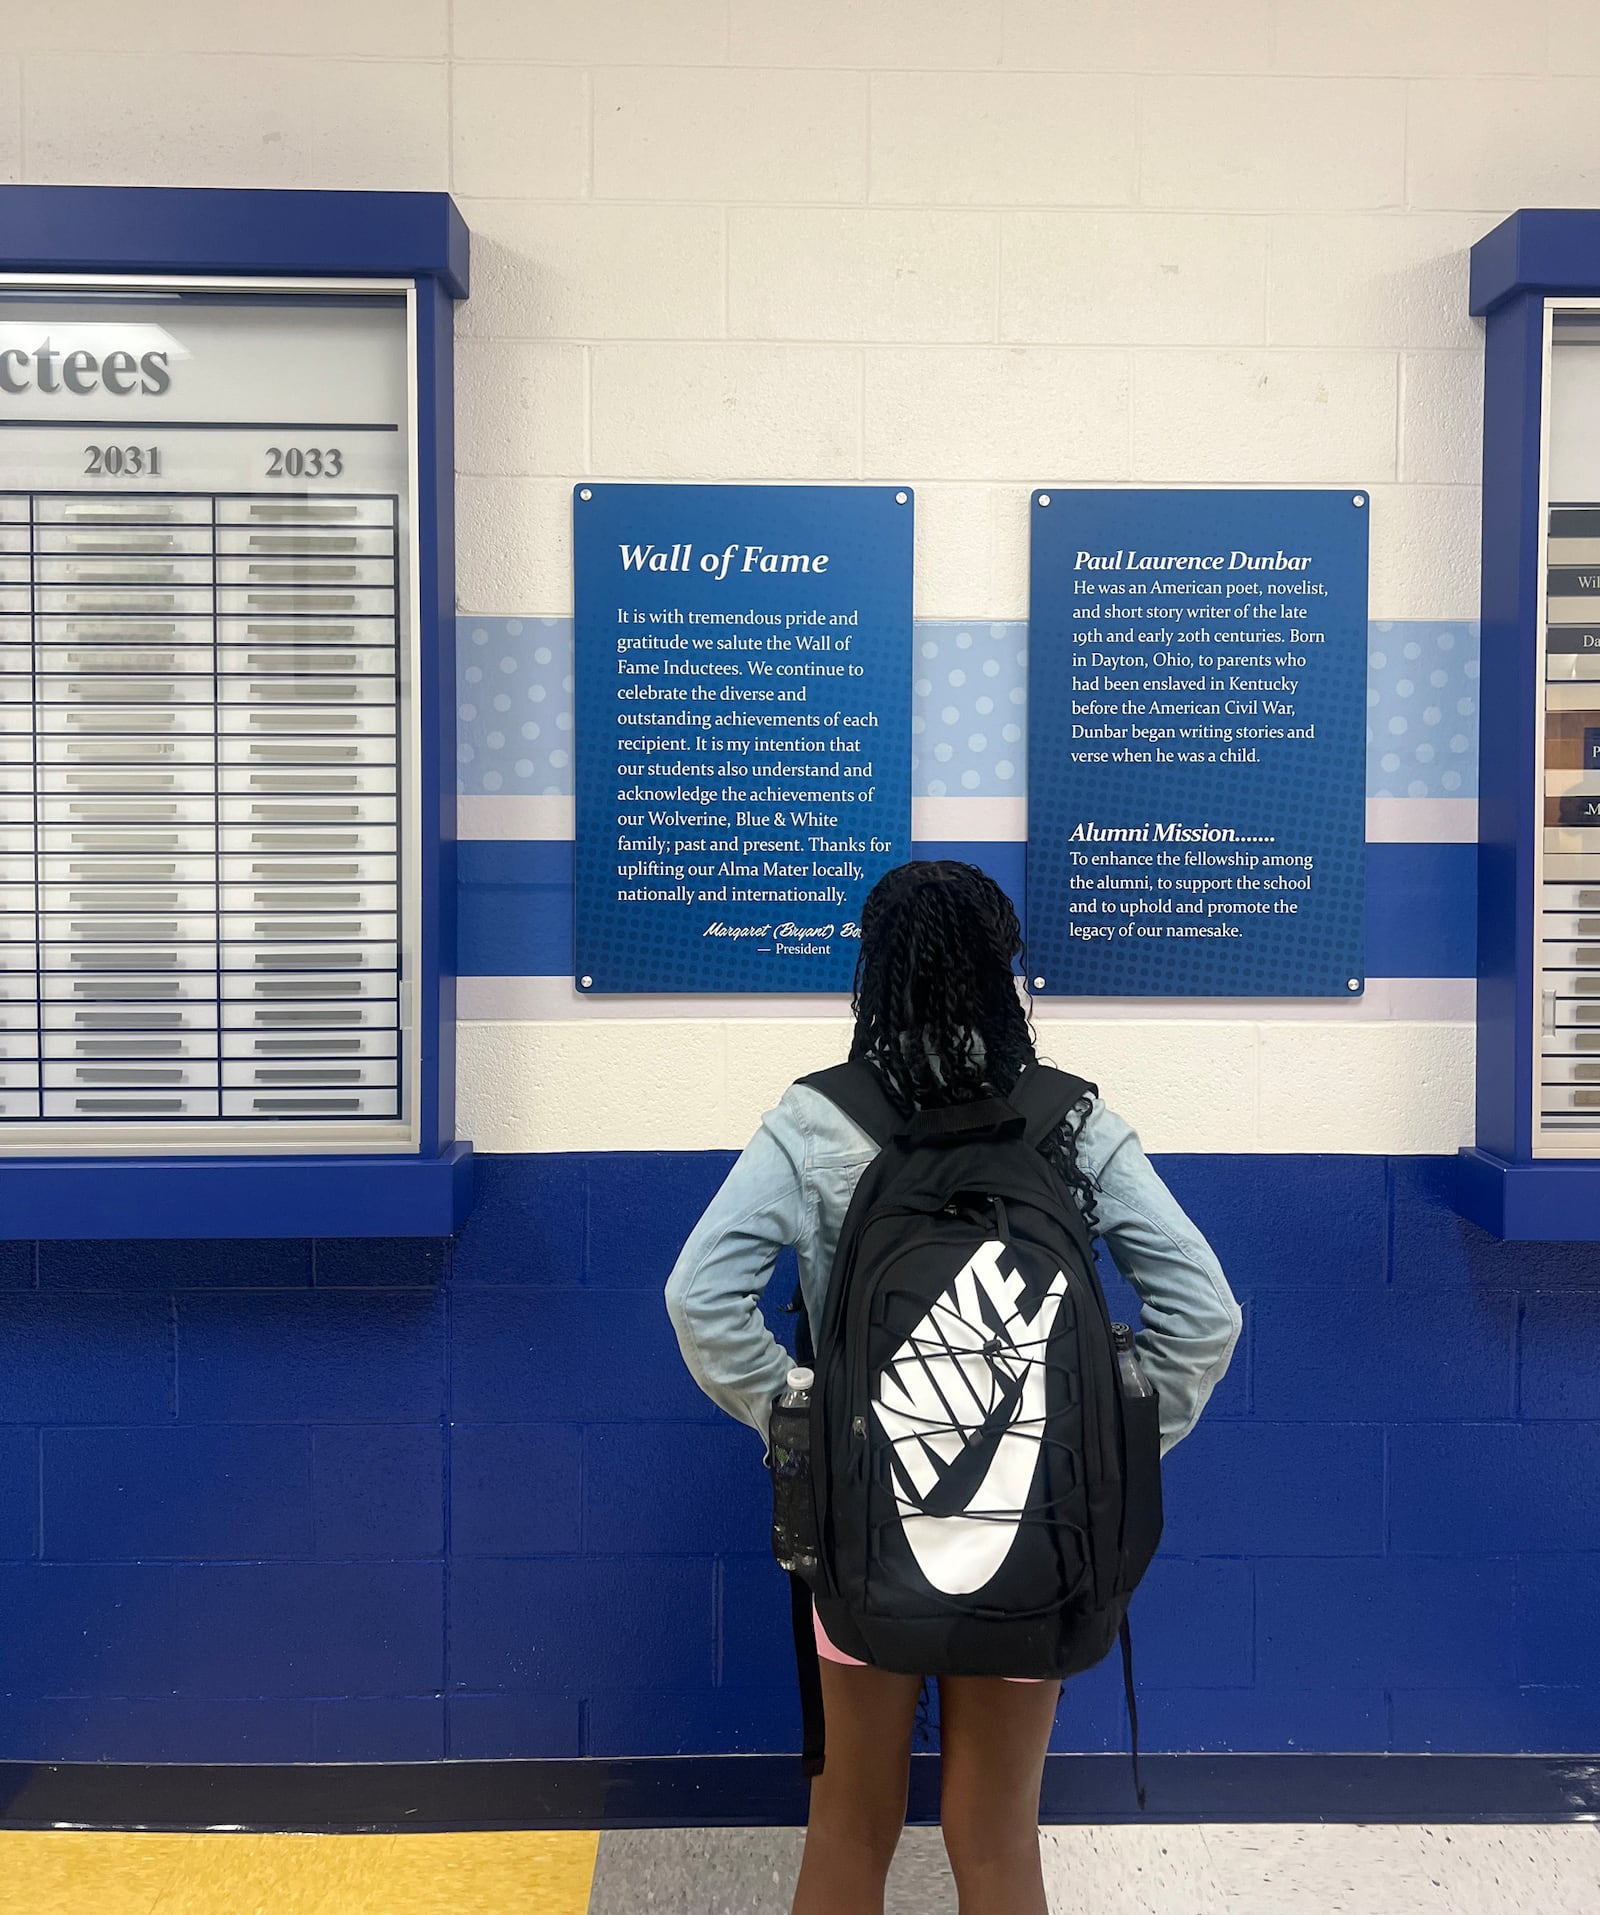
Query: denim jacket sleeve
[[714, 1292], [1190, 1319], [791, 1185]]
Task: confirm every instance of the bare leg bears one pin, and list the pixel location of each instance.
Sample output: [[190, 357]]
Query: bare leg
[[858, 1803], [993, 1736]]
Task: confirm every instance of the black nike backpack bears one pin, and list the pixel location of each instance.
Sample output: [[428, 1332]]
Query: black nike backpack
[[987, 1495]]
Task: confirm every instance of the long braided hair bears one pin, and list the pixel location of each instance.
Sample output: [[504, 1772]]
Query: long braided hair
[[938, 1014]]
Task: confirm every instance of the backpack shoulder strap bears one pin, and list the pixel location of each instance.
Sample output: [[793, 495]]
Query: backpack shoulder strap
[[1044, 1096], [855, 1089]]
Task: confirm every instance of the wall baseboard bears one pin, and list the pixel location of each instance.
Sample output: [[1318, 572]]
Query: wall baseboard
[[767, 1790]]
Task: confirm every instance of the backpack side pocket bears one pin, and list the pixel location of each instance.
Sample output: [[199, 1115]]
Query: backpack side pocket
[[1141, 1504], [789, 1464]]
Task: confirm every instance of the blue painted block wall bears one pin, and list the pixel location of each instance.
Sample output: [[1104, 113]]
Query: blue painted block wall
[[380, 1501]]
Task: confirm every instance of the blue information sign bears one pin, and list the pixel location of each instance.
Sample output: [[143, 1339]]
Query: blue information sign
[[743, 730], [1197, 743]]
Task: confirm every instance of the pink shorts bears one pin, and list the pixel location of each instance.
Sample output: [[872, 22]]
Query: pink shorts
[[828, 1653]]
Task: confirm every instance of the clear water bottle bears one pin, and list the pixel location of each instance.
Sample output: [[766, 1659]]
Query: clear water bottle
[[1129, 1369], [794, 1508]]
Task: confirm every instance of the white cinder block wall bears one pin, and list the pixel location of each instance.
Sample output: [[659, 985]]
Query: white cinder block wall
[[969, 244]]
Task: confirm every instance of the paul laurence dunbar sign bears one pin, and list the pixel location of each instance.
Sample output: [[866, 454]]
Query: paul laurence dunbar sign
[[1197, 743]]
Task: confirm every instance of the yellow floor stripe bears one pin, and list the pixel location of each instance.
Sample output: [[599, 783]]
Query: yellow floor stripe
[[81, 1874]]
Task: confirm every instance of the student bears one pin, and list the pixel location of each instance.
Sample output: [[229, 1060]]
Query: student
[[939, 1017]]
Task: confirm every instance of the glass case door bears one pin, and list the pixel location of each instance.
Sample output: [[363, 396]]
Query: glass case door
[[208, 726], [1567, 906]]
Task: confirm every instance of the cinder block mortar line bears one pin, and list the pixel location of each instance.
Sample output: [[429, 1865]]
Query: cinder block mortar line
[[1153, 210], [257, 55], [1107, 347], [810, 342], [951, 71], [1129, 209]]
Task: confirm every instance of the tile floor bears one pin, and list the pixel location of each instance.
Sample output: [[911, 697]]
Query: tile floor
[[1259, 1869]]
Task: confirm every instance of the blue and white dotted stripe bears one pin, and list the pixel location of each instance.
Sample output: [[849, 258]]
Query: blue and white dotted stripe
[[514, 705], [1422, 709], [969, 709]]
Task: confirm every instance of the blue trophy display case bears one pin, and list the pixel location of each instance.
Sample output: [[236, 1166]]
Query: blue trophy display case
[[227, 589], [1534, 1172]]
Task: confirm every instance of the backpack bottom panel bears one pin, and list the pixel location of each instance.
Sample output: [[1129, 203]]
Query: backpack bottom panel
[[1038, 1649]]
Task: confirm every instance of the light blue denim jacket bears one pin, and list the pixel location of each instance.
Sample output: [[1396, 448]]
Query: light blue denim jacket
[[793, 1184]]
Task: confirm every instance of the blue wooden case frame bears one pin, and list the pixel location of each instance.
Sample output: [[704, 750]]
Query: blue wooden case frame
[[1529, 258], [415, 236]]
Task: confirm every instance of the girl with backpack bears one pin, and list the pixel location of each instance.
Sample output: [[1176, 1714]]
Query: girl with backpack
[[984, 1347]]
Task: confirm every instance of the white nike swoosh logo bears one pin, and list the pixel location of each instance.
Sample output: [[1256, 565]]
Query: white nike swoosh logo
[[944, 1384]]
